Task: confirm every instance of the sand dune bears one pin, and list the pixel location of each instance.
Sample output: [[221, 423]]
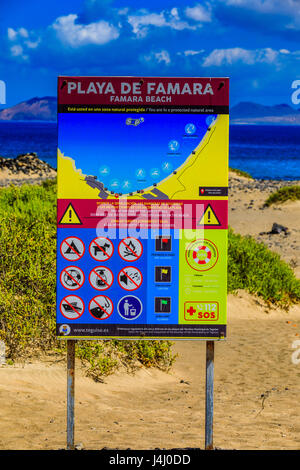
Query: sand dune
[[256, 384], [154, 409]]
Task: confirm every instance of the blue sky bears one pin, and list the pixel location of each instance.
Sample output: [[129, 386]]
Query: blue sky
[[254, 42]]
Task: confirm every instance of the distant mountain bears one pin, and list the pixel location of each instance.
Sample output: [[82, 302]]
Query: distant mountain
[[45, 109], [35, 109], [253, 113]]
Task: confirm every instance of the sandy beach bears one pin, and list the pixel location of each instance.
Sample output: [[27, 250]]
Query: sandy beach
[[256, 382]]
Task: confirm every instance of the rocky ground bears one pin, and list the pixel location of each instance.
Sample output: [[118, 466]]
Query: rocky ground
[[249, 216], [25, 168]]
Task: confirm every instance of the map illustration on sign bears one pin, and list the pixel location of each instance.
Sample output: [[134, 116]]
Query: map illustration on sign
[[142, 212]]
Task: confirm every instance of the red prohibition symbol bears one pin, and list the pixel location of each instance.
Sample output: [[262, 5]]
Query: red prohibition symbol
[[72, 278], [101, 249], [130, 278], [101, 278], [101, 307], [72, 248], [71, 307], [130, 249]]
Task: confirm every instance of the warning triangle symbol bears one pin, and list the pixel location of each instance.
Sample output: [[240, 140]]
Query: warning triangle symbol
[[70, 216], [209, 217]]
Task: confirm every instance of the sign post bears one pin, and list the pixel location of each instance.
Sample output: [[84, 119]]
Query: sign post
[[70, 393], [209, 395], [142, 213]]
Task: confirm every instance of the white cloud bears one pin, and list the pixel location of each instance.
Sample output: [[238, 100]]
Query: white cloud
[[13, 34], [77, 35], [23, 33], [17, 51], [143, 19], [158, 57], [140, 22], [199, 13], [32, 44], [163, 56], [192, 52], [221, 57]]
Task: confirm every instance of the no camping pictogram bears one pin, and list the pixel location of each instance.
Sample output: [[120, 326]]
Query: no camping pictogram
[[130, 278], [130, 249], [72, 278], [72, 307], [101, 249], [101, 278], [101, 307], [72, 248]]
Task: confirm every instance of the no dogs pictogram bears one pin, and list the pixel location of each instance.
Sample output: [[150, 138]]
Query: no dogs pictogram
[[101, 249]]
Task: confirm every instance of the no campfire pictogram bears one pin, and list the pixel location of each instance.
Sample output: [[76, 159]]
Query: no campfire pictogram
[[130, 249]]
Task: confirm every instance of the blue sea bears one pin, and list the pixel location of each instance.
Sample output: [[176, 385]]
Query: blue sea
[[266, 152]]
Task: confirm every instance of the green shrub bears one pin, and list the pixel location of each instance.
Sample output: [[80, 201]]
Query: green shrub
[[27, 287], [253, 267], [240, 173], [286, 193]]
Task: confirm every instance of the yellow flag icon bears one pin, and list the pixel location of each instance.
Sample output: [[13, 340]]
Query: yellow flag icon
[[70, 216]]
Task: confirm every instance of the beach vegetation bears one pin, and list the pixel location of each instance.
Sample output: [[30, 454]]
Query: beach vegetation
[[256, 269], [286, 193], [243, 173], [27, 288], [27, 285]]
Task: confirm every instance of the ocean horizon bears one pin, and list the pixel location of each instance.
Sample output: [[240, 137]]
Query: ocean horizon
[[264, 151]]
